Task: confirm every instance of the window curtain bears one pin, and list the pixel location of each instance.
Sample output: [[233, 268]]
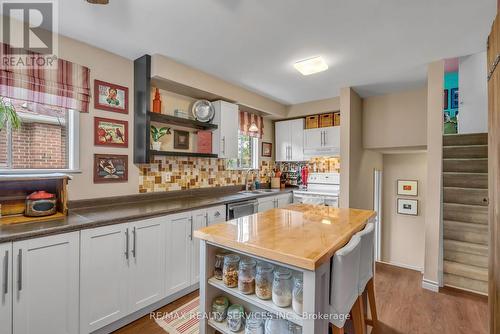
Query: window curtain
[[246, 119], [68, 86]]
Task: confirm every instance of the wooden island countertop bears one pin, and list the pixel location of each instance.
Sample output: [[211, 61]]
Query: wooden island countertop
[[301, 235]]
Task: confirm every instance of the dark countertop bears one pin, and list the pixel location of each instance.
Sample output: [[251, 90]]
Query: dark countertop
[[95, 216]]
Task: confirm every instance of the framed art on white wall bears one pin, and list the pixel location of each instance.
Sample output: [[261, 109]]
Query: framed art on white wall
[[408, 206], [408, 187]]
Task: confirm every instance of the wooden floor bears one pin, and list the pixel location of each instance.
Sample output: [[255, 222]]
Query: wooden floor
[[403, 308]]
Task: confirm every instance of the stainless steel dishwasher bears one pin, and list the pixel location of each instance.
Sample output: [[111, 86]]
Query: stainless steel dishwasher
[[241, 209]]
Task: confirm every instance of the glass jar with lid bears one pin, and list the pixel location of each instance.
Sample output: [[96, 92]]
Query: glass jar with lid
[[235, 315], [230, 270], [219, 265], [297, 296], [264, 280], [220, 305], [246, 276], [282, 287], [254, 324], [276, 326]]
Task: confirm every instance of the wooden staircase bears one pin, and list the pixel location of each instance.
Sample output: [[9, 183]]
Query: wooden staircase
[[465, 211]]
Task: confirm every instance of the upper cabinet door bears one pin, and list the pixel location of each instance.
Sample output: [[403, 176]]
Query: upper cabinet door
[[225, 138], [46, 277], [200, 220], [104, 276], [332, 139], [6, 288], [297, 139], [178, 257], [147, 262], [282, 140], [313, 139]]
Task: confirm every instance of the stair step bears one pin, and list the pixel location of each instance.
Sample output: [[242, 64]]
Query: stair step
[[470, 259], [466, 283], [474, 233], [465, 213], [465, 180], [466, 151], [466, 139], [464, 270], [479, 165], [465, 247], [471, 196]]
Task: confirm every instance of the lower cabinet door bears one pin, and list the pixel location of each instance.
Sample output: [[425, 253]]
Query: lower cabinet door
[[147, 262], [200, 220], [284, 200], [179, 239], [104, 277], [46, 280], [216, 214], [6, 288], [267, 203]]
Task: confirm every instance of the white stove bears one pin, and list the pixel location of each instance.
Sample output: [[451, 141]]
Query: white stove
[[322, 188]]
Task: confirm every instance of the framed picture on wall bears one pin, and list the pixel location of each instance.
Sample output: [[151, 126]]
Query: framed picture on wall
[[110, 97], [408, 206], [110, 168], [454, 98], [446, 99], [181, 140], [267, 149], [408, 187], [110, 132]]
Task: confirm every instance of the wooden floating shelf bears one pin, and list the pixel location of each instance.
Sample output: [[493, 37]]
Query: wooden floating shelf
[[174, 120], [266, 305], [183, 154]]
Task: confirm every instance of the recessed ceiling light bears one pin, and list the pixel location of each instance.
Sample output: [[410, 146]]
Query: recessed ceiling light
[[311, 65]]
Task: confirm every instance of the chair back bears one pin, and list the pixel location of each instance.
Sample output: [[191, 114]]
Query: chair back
[[366, 262], [344, 281]]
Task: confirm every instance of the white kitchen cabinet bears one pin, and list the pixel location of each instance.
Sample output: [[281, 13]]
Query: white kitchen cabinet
[[46, 281], [225, 138], [216, 214], [6, 288], [289, 140], [200, 220], [147, 262], [178, 255], [104, 281], [284, 200], [322, 141], [266, 203]]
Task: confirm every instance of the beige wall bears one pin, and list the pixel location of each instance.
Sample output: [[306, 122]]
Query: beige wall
[[403, 237], [313, 107], [357, 165], [433, 226], [395, 120]]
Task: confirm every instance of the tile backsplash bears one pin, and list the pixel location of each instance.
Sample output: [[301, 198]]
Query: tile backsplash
[[181, 173]]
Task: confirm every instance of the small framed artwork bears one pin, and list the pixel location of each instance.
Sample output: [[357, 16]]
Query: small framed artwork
[[446, 99], [110, 132], [110, 168], [407, 187], [267, 149], [110, 97], [408, 206], [454, 98], [181, 140]]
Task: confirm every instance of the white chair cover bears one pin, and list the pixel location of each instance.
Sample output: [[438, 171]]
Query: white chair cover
[[367, 256], [344, 283]]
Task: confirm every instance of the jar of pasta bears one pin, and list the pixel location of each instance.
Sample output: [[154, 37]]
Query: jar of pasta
[[230, 270]]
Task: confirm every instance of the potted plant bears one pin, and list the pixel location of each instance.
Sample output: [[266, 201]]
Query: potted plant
[[8, 115], [156, 135]]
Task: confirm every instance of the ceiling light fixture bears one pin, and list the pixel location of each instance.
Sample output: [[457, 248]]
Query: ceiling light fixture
[[253, 127], [98, 2], [311, 65]]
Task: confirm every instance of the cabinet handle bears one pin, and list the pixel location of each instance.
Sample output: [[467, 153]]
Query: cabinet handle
[[126, 243], [217, 214], [134, 233], [224, 145], [206, 219], [191, 229], [325, 137], [20, 270], [6, 273]]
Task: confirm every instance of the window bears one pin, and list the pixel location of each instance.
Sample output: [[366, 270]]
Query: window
[[248, 153], [47, 139]]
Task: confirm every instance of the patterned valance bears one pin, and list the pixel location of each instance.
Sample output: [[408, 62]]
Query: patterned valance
[[246, 120], [68, 86]]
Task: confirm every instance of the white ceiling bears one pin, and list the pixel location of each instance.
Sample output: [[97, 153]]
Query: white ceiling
[[375, 46]]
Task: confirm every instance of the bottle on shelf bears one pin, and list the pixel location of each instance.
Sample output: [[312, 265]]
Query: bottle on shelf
[[157, 102]]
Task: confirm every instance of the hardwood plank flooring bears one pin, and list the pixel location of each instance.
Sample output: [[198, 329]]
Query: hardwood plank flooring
[[403, 308]]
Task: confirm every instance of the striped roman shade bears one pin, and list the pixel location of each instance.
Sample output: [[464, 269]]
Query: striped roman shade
[[246, 119], [68, 86]]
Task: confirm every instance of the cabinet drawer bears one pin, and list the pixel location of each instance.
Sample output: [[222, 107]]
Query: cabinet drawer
[[326, 120], [312, 122]]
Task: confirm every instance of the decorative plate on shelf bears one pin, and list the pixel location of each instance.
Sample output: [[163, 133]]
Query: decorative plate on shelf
[[203, 111]]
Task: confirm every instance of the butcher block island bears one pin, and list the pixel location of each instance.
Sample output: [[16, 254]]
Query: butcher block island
[[275, 263]]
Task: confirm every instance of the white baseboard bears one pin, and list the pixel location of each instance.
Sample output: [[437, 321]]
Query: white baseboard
[[430, 285], [405, 266]]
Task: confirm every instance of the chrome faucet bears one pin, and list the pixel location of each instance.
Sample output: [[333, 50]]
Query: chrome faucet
[[247, 188]]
